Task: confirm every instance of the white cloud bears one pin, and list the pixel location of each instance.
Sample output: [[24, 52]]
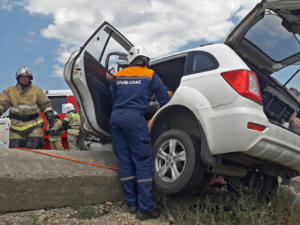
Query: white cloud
[[38, 61], [8, 4], [162, 26], [246, 6], [57, 70]]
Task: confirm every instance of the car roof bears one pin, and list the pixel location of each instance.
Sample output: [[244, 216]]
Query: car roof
[[207, 48]]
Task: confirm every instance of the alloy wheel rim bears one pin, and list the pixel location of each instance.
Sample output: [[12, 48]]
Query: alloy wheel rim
[[170, 160]]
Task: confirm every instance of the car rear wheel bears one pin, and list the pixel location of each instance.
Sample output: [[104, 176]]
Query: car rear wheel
[[254, 183], [178, 168]]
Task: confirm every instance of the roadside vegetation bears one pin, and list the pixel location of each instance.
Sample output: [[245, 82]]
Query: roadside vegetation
[[86, 212], [219, 207], [213, 206]]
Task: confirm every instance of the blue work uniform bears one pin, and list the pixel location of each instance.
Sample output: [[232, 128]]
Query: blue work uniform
[[131, 90]]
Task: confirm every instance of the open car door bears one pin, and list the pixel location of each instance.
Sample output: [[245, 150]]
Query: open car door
[[88, 72]]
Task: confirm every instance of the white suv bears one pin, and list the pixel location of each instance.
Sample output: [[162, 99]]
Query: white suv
[[228, 115], [4, 129]]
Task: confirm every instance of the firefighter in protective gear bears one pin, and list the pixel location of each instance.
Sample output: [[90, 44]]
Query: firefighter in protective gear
[[55, 140], [71, 123], [131, 90], [25, 101]]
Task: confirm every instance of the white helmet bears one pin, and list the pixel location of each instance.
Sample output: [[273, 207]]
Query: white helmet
[[137, 52], [69, 107], [24, 71]]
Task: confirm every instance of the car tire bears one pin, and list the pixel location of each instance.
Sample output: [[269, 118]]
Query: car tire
[[262, 184], [180, 170], [270, 184]]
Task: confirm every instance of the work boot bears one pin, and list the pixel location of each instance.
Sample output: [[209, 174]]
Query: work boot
[[148, 215], [130, 209]]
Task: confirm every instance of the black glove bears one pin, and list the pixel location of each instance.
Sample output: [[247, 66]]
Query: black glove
[[151, 110], [56, 132], [52, 132], [50, 117], [65, 125], [47, 132]]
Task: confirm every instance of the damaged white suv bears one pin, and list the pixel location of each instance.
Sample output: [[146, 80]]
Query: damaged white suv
[[228, 115]]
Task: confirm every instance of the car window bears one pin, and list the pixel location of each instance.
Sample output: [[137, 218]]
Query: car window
[[170, 72], [200, 62], [109, 41], [115, 61], [97, 44], [112, 46], [285, 74], [271, 36], [58, 102]]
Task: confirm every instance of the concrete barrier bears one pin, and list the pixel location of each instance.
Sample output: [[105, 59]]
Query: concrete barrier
[[34, 181]]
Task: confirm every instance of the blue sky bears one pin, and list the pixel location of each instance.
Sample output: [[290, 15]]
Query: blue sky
[[42, 34], [21, 44]]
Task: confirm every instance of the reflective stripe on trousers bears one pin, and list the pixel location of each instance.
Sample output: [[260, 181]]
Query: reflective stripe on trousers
[[127, 178], [33, 124], [144, 180]]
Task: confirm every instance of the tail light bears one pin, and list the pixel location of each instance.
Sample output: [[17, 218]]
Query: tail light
[[255, 126], [245, 83]]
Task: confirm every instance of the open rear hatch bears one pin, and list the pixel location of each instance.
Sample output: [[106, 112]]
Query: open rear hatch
[[269, 35], [268, 40]]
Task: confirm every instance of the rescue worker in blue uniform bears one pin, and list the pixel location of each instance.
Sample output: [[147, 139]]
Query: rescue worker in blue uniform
[[131, 90]]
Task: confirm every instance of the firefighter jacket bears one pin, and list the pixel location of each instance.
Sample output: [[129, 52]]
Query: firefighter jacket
[[56, 126], [25, 104], [132, 88], [72, 122]]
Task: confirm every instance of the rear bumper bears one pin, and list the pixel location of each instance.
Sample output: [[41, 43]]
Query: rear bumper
[[226, 132], [278, 145]]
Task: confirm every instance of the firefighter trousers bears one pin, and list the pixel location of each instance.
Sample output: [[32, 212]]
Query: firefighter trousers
[[32, 140]]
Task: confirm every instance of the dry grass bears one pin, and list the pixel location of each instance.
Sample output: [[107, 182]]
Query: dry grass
[[86, 212], [219, 207]]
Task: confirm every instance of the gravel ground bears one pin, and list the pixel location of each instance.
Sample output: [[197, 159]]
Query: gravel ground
[[111, 213], [108, 213]]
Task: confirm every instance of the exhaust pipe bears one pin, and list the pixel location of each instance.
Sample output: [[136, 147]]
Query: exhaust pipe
[[228, 171]]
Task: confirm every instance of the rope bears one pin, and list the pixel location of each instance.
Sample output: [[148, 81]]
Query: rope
[[73, 160]]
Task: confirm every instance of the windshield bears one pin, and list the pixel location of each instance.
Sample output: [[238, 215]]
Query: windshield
[[273, 39]]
